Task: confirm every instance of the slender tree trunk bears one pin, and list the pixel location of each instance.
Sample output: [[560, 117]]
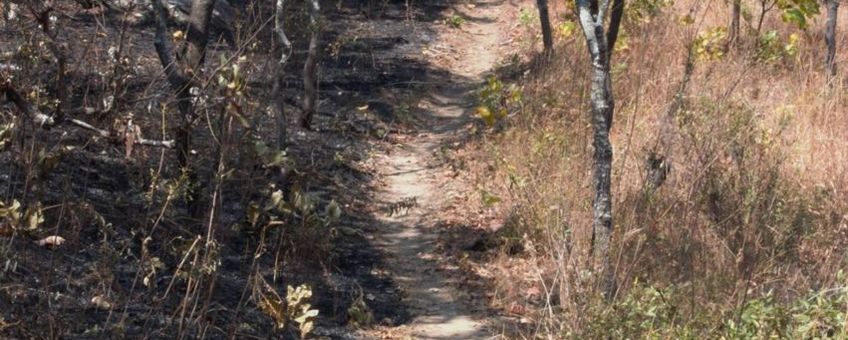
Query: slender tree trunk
[[734, 22], [182, 75], [197, 39], [545, 21], [197, 36], [603, 108], [616, 15], [310, 67], [830, 39], [765, 7], [283, 40], [592, 18]]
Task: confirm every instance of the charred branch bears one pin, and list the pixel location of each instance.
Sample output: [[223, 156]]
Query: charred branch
[[310, 67], [59, 52], [46, 122], [164, 49], [279, 78], [12, 95]]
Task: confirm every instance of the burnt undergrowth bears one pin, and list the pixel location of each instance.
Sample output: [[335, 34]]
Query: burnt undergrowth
[[133, 262]]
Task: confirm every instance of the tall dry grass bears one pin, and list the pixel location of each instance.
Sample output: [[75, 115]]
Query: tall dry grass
[[755, 202]]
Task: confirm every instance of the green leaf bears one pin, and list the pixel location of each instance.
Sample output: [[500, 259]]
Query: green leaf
[[489, 199], [486, 115], [796, 17]]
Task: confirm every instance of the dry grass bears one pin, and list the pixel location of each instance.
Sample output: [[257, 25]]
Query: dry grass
[[756, 200]]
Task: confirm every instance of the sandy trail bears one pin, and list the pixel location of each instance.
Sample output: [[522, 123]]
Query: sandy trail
[[408, 176]]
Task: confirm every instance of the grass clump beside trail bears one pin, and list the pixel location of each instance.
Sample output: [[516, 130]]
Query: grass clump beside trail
[[729, 184]]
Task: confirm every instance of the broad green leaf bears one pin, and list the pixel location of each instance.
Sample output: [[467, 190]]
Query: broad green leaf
[[486, 115]]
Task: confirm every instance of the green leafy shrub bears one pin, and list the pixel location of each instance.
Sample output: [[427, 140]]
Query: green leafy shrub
[[821, 315], [455, 21], [709, 45], [772, 48], [760, 318], [818, 315], [496, 100], [526, 17], [798, 12], [648, 312], [644, 313]]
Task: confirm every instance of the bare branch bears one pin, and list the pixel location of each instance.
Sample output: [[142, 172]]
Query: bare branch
[[170, 144], [197, 36], [115, 136], [89, 127], [280, 114], [48, 122], [164, 49], [589, 26], [59, 52], [310, 66], [13, 96], [616, 15], [280, 29], [602, 11]]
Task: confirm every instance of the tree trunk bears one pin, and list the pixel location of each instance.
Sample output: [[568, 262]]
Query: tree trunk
[[182, 76], [830, 39], [310, 67], [592, 18], [197, 36], [283, 40], [545, 20], [735, 21], [616, 15]]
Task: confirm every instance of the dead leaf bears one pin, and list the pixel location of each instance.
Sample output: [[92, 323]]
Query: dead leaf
[[101, 302], [533, 293], [132, 134], [517, 309], [51, 241], [270, 302]]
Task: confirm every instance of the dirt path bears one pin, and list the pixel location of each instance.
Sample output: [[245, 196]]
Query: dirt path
[[411, 182]]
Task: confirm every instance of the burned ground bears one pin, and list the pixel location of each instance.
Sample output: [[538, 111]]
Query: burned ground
[[115, 213]]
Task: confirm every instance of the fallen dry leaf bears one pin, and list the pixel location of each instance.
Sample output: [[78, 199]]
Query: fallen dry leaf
[[101, 302], [51, 241], [533, 293], [516, 309]]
